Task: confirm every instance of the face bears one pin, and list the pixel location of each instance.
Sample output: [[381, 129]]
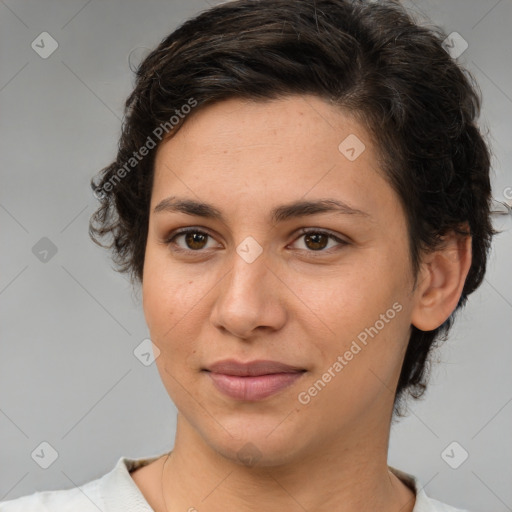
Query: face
[[324, 314]]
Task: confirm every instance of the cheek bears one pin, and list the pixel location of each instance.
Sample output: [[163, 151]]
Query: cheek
[[353, 297], [367, 311], [359, 370], [175, 306], [170, 303], [167, 293]]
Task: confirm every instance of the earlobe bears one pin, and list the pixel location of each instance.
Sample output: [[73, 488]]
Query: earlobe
[[441, 280]]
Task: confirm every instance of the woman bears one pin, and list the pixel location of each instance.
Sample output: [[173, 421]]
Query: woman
[[303, 194]]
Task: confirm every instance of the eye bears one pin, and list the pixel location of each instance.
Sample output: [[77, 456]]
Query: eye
[[316, 240], [194, 239]]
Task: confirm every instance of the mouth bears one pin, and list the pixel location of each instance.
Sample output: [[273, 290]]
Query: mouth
[[254, 380]]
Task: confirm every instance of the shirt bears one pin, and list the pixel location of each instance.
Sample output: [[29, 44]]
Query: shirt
[[116, 491]]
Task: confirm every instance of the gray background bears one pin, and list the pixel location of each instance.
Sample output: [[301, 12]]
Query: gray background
[[69, 325]]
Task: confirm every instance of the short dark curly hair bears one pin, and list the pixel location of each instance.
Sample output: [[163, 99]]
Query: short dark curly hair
[[370, 58]]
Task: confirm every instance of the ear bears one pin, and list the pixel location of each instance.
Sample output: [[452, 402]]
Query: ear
[[441, 279]]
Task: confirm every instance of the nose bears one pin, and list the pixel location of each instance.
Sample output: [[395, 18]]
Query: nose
[[250, 298]]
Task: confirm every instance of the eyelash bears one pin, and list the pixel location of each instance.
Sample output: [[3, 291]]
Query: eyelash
[[170, 240]]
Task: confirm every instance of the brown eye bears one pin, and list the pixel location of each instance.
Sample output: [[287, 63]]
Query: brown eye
[[194, 240], [318, 240]]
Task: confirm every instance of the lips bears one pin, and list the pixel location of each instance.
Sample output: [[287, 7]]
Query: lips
[[253, 380], [252, 368]]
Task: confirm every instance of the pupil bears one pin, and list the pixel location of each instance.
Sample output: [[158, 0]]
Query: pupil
[[192, 238], [314, 238]]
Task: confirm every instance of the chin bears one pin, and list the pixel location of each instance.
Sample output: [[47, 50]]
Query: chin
[[257, 440], [254, 451]]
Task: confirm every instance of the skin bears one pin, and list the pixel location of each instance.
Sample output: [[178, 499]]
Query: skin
[[291, 304]]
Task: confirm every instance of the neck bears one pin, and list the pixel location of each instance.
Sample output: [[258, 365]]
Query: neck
[[349, 475]]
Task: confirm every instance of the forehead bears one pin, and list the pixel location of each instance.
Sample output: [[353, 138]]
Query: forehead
[[277, 151], [240, 124]]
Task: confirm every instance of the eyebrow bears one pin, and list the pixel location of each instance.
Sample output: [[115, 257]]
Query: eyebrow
[[277, 214]]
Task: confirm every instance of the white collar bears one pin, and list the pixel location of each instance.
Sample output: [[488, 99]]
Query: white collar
[[120, 493]]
